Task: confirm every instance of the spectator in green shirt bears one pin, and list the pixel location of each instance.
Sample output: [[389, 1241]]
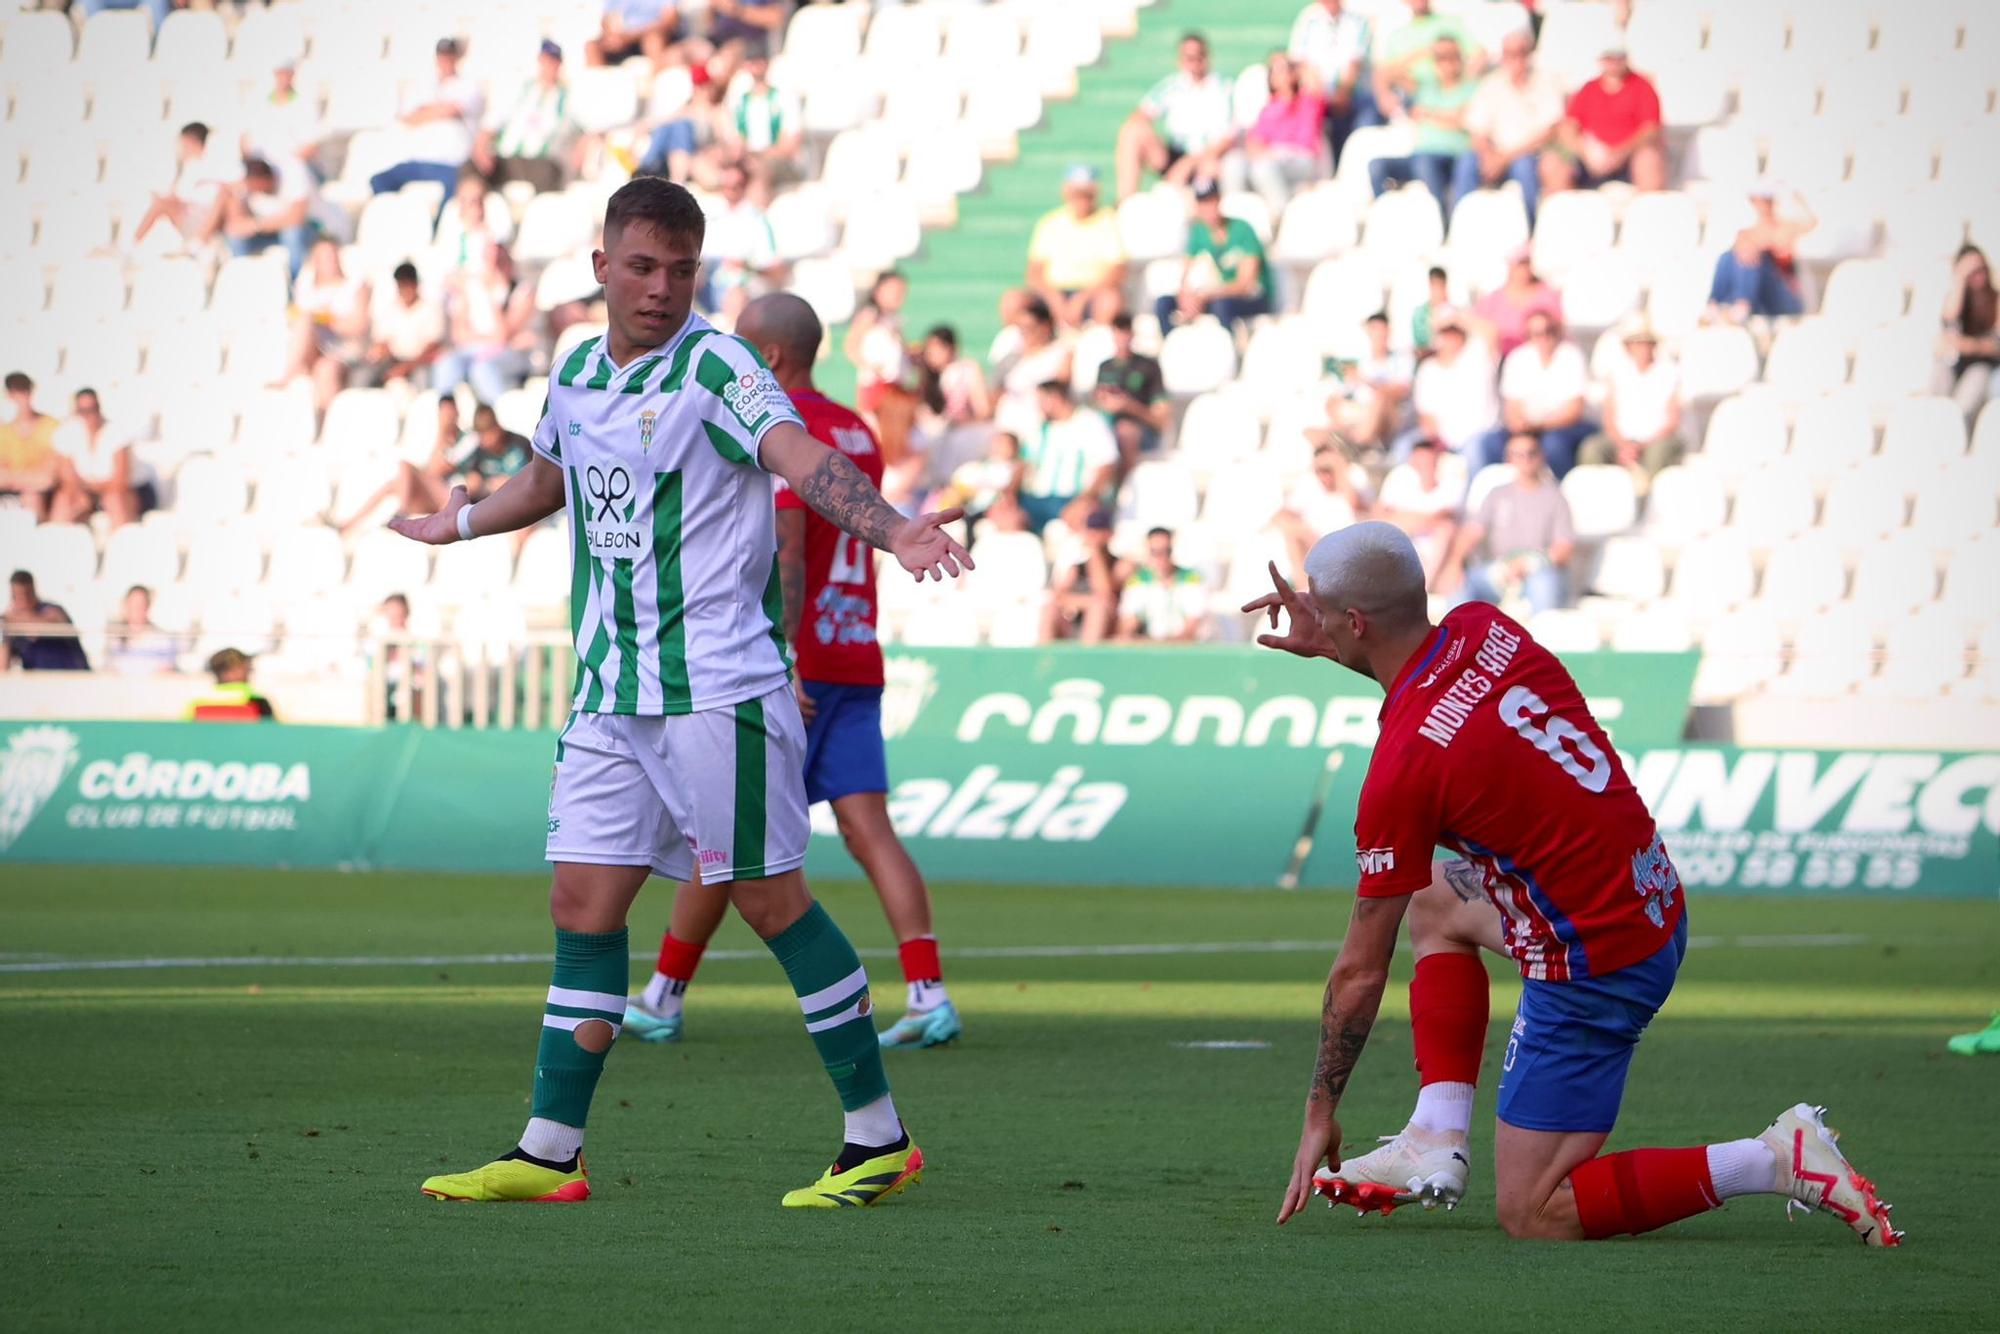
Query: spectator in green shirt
[[1437, 101], [1411, 55], [1225, 275], [488, 455]]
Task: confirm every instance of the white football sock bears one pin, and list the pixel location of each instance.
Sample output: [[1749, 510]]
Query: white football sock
[[1742, 1167], [665, 994], [551, 1141], [1444, 1108], [926, 996], [873, 1125]]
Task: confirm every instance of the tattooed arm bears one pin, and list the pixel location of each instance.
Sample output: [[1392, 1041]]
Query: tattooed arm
[[839, 492], [1353, 995]]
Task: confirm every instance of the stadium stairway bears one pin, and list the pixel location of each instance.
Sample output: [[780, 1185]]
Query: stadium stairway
[[959, 274]]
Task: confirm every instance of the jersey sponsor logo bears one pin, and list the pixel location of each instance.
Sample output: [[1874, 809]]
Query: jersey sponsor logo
[[710, 857], [1454, 707], [1453, 652], [576, 428], [1654, 879], [753, 396], [33, 766], [841, 618], [1375, 861], [608, 530]]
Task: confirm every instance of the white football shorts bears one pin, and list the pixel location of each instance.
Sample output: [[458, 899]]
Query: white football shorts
[[724, 787]]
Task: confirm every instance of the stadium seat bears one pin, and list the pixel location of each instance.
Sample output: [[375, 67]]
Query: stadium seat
[[112, 55], [487, 631], [997, 109], [139, 554], [1712, 577], [1863, 294], [1723, 155], [1716, 362], [1601, 501], [1956, 504], [192, 40], [1403, 226], [944, 163], [392, 228], [828, 35], [1217, 430], [881, 228], [165, 293], [1153, 224], [552, 226], [1573, 35], [902, 38], [1631, 569], [1773, 502], [36, 42], [1804, 574], [1832, 653], [209, 491], [918, 104], [948, 623], [293, 493], [89, 289], [385, 563], [1060, 36], [1197, 357], [1658, 226], [1246, 498], [361, 421], [1007, 568], [1339, 295], [1691, 95], [305, 562], [1833, 433], [1867, 502], [975, 35], [1599, 292], [1924, 433], [860, 163], [1745, 431], [1686, 502], [1924, 656], [542, 571], [224, 554], [1486, 226], [1161, 493], [1280, 356], [1895, 577], [1664, 37], [826, 285], [1896, 361], [1659, 629], [1807, 359], [1741, 653], [467, 571]]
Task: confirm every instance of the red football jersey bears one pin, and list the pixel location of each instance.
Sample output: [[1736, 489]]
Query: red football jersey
[[1488, 749], [837, 643]]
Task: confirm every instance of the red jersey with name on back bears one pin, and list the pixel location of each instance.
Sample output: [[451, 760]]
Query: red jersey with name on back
[[1487, 748], [837, 643]]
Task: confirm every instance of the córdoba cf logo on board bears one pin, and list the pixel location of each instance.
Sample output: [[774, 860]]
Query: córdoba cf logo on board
[[33, 766]]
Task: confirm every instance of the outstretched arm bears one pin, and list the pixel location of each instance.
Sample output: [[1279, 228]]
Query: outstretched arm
[[528, 497], [1353, 995], [840, 493]]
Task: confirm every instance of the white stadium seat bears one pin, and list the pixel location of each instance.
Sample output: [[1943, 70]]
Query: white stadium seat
[[1659, 629], [1161, 493], [1716, 362], [1601, 501], [1867, 502], [1773, 502], [1571, 228], [1197, 357], [1956, 504], [1566, 630], [1807, 358], [1402, 226], [1924, 433], [1896, 361], [1153, 224], [140, 554], [306, 562], [209, 491], [1686, 502], [1630, 568], [1896, 577], [1832, 434], [1832, 653], [1741, 653], [1923, 656], [1804, 574], [1712, 577], [1217, 430]]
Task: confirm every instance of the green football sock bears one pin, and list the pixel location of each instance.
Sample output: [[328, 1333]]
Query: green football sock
[[832, 988], [591, 974]]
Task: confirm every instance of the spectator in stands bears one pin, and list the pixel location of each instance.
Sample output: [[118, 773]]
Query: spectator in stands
[[419, 488], [1453, 391], [408, 333], [1076, 259], [1542, 387], [745, 24], [1423, 496], [1072, 461], [1423, 320], [690, 146], [528, 139], [1971, 339], [28, 458], [284, 125], [1758, 275], [740, 254], [1331, 44], [24, 644], [1162, 602], [1225, 273], [953, 404], [1410, 51], [133, 645], [491, 322], [98, 468], [635, 28], [1437, 102], [193, 204], [489, 454], [1612, 132], [1131, 392], [387, 635], [157, 9], [762, 127], [232, 699], [1182, 127], [1285, 148], [1501, 316], [1519, 542], [473, 219], [329, 323], [989, 488], [1083, 595], [1375, 394], [1642, 410], [1513, 119], [439, 117], [1037, 357], [270, 206], [880, 352], [1334, 495]]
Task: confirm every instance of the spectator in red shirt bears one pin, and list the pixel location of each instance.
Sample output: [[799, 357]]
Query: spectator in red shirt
[[1612, 133]]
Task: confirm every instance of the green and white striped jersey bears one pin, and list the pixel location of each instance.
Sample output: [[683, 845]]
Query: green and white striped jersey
[[674, 598]]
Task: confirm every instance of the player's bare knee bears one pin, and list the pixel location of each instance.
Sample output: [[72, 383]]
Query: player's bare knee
[[593, 1035]]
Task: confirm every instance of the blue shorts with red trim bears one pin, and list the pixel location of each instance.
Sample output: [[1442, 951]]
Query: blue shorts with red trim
[[1572, 1042], [844, 752]]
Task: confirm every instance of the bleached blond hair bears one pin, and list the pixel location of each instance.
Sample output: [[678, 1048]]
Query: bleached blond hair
[[1371, 567]]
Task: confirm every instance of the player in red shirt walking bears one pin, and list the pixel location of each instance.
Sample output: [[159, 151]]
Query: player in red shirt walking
[[1487, 748], [828, 583]]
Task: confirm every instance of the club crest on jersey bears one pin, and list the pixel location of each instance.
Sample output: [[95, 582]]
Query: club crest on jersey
[[646, 420]]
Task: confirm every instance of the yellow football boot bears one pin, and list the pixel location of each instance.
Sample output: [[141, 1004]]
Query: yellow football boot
[[513, 1179], [870, 1181]]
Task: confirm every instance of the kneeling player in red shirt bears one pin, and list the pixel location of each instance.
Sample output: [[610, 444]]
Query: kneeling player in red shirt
[[1487, 748]]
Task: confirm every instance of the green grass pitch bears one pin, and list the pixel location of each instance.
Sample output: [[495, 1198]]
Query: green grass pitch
[[239, 1147]]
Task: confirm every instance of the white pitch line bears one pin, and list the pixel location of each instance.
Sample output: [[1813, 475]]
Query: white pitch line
[[1142, 950]]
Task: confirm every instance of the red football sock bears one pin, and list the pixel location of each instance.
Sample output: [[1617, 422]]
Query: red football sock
[[1449, 1005], [1642, 1189], [679, 959], [920, 960]]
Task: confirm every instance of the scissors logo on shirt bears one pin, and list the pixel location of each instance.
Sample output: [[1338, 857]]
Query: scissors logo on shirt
[[607, 487], [646, 420]]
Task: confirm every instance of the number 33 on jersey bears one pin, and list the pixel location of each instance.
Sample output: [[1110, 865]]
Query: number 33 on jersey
[[1487, 748]]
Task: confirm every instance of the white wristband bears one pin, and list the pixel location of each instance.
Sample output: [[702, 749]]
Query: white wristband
[[465, 533]]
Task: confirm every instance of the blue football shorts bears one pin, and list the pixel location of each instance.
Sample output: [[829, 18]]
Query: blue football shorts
[[1572, 1042], [844, 753]]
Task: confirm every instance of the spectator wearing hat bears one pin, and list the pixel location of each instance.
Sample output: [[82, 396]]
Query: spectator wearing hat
[[1453, 391], [1642, 410], [634, 28], [1758, 274], [1519, 543], [1225, 274], [1437, 96], [1542, 388], [1083, 595], [439, 117], [1330, 44], [527, 140], [1501, 316], [1076, 258], [28, 458], [1132, 393], [1182, 127], [232, 699], [284, 125], [25, 643], [1513, 118], [1072, 461], [1612, 132]]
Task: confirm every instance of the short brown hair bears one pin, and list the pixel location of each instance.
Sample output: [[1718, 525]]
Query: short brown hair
[[659, 203]]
